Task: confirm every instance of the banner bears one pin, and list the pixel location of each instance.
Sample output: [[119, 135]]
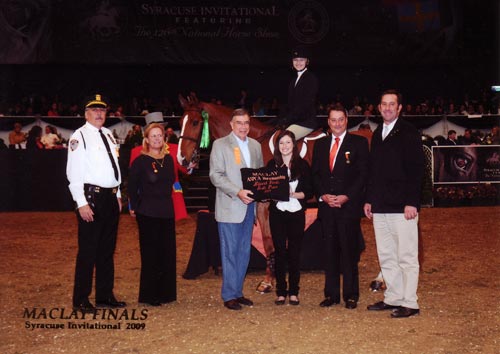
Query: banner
[[466, 164], [216, 32]]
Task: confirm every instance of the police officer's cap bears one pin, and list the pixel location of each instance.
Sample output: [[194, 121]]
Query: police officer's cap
[[301, 52], [96, 101]]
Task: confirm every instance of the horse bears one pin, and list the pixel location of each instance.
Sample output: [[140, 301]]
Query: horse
[[200, 115], [217, 119]]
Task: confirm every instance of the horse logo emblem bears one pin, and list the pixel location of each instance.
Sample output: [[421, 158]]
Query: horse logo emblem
[[308, 22], [103, 24]]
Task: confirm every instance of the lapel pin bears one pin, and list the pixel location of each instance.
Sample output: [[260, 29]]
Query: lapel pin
[[347, 155]]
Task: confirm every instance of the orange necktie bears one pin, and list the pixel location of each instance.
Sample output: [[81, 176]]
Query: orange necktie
[[333, 152]]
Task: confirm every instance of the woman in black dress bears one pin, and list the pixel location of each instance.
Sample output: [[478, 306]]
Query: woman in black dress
[[287, 219], [150, 191]]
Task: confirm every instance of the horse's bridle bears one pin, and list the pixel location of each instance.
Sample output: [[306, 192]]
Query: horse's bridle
[[196, 140], [195, 157]]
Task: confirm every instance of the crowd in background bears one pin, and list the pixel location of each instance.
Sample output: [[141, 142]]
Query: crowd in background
[[482, 104], [470, 137], [479, 104]]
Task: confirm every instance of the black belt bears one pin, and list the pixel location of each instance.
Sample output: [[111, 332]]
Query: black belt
[[97, 189]]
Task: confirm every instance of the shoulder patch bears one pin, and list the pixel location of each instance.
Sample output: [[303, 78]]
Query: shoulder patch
[[73, 144]]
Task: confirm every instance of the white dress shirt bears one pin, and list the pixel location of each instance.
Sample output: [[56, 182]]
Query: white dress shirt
[[243, 144], [299, 74], [88, 162], [341, 137], [388, 127], [293, 204]]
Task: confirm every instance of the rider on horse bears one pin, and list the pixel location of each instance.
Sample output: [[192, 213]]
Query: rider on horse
[[300, 117]]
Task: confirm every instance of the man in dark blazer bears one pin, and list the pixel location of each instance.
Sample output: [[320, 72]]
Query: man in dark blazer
[[452, 138], [393, 201], [302, 92], [339, 178]]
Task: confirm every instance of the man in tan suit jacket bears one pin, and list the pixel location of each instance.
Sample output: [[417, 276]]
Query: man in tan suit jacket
[[234, 206]]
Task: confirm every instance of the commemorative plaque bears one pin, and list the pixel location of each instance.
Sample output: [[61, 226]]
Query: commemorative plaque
[[266, 183]]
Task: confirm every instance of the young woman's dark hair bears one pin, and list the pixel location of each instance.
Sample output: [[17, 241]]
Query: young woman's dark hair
[[33, 141], [295, 168]]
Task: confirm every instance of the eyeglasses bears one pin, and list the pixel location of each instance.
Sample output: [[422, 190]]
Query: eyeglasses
[[154, 136]]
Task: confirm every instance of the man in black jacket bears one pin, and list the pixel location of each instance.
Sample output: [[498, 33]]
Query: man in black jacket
[[339, 169], [302, 91], [393, 201]]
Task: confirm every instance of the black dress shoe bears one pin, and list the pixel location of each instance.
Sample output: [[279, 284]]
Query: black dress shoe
[[294, 302], [232, 304], [85, 307], [280, 300], [380, 306], [327, 302], [351, 304], [244, 301], [151, 303], [403, 312], [111, 302]]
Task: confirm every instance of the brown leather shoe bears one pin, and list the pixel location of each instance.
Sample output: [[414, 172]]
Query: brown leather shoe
[[381, 306], [403, 312], [232, 304], [244, 301]]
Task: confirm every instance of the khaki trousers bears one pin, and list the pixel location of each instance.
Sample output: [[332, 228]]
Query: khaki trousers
[[397, 248]]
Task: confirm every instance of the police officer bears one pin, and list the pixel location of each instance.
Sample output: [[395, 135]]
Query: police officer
[[94, 182]]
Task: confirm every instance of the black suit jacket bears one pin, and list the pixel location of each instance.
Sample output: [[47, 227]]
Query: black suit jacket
[[449, 142], [302, 101], [396, 169], [348, 176]]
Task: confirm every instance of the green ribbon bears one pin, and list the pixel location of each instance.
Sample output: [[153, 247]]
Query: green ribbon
[[205, 134]]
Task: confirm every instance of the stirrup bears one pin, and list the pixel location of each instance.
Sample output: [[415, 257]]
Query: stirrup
[[264, 287], [377, 285]]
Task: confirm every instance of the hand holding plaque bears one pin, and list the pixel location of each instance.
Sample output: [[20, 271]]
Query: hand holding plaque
[[267, 183]]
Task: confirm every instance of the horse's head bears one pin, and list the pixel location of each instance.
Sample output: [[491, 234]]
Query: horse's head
[[191, 127]]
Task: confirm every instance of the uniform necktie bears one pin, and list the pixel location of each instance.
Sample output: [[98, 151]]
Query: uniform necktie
[[385, 132], [113, 163], [333, 152]]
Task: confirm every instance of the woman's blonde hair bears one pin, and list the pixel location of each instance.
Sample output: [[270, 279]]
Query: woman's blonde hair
[[145, 145]]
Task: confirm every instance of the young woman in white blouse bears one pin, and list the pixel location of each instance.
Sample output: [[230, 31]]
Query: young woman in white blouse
[[287, 218]]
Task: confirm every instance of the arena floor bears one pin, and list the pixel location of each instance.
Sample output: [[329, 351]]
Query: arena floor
[[459, 287]]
